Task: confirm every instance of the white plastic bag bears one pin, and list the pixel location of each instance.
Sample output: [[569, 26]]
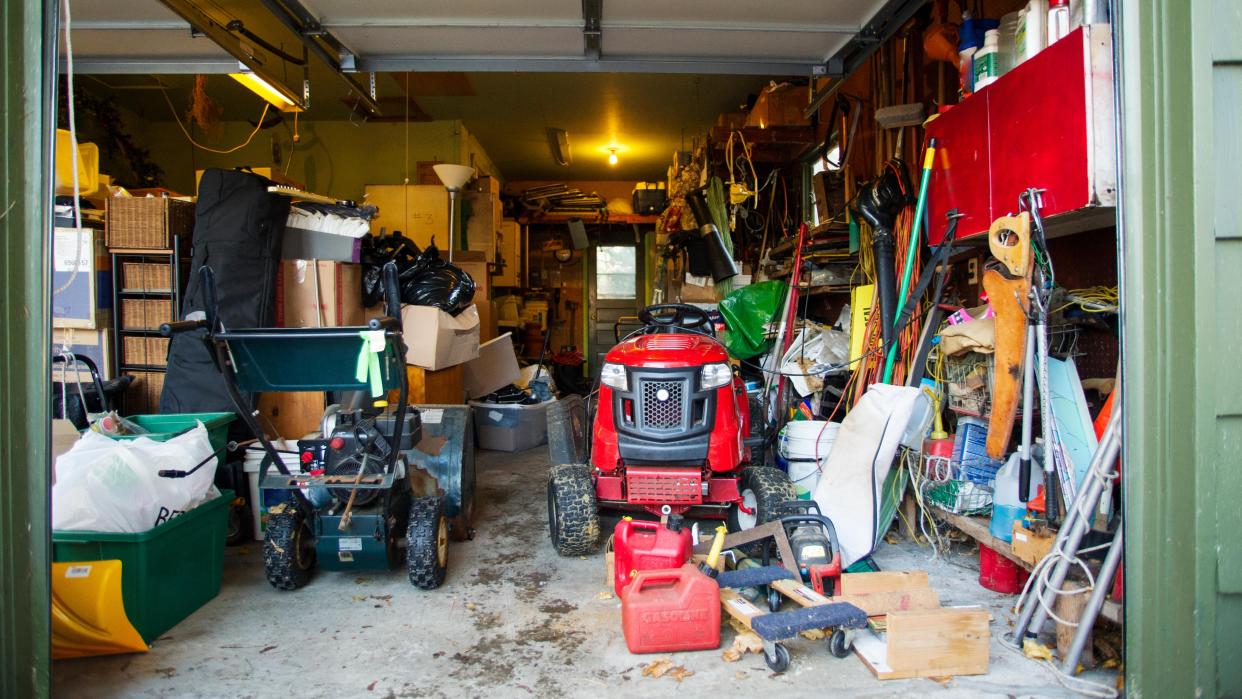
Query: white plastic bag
[[111, 485]]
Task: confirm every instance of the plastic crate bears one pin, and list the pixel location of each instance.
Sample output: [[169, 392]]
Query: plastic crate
[[166, 573], [162, 428], [510, 427]]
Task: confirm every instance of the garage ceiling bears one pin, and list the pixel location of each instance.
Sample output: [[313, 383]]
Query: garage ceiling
[[644, 75]]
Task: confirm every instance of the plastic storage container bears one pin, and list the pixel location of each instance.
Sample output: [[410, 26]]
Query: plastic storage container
[[162, 428], [641, 545], [799, 445], [970, 453], [166, 573], [1006, 507], [510, 427], [667, 611]]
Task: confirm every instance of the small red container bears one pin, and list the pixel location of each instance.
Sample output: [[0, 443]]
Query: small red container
[[665, 611], [639, 545], [999, 574]]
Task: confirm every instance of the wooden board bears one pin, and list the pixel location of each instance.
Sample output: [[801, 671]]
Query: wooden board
[[867, 583], [771, 529], [874, 604], [928, 643], [445, 386], [739, 607], [977, 529]]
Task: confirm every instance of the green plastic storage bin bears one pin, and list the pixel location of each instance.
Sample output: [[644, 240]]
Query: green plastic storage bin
[[166, 573], [162, 428]]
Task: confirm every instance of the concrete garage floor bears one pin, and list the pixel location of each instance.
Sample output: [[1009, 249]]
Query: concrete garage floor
[[513, 619]]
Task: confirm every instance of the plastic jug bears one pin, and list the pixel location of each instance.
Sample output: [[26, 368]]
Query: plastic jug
[[666, 611], [641, 545], [1006, 507]]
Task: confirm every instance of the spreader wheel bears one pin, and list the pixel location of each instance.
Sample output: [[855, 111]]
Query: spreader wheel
[[840, 644], [427, 532], [778, 660], [573, 517], [288, 546]]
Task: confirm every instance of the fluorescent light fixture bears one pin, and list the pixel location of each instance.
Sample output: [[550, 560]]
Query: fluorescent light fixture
[[270, 93]]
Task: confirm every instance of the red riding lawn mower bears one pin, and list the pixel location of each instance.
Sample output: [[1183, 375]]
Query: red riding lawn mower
[[669, 423]]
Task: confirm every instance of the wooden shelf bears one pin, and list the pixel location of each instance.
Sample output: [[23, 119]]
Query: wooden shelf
[[536, 218], [977, 529]]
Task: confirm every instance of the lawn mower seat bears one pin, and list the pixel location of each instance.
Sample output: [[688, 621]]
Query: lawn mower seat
[[676, 318]]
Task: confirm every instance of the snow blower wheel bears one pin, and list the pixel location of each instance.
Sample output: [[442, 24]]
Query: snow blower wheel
[[573, 518], [288, 546], [427, 556]]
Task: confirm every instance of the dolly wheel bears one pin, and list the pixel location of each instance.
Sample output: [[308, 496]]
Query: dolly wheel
[[778, 660], [427, 557], [573, 519], [774, 600], [839, 644], [288, 546], [764, 491]]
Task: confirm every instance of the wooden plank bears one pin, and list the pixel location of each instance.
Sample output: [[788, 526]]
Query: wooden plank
[[977, 529], [739, 607], [939, 642], [873, 604], [1070, 607], [894, 581], [771, 529]]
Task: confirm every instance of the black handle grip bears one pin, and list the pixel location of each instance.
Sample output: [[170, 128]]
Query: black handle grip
[[172, 473], [181, 326], [392, 292], [385, 323], [698, 206]]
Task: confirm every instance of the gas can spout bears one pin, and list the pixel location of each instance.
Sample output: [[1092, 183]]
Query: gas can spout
[[708, 567]]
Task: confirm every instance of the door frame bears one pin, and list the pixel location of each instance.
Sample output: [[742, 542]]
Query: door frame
[[610, 236]]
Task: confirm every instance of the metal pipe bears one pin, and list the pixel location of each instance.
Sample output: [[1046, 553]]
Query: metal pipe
[[1028, 417], [1076, 523], [1069, 662]]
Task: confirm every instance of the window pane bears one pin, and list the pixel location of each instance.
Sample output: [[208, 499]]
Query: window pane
[[615, 272]]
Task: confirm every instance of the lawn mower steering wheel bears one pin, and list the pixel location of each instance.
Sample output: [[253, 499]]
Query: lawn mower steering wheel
[[670, 317]]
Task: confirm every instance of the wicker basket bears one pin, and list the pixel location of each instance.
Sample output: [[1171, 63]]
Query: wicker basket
[[146, 276], [145, 351], [149, 223], [145, 314], [143, 395]]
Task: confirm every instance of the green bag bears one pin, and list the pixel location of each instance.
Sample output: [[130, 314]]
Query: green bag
[[747, 312]]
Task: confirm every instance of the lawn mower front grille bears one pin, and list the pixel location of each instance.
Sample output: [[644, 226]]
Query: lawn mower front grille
[[662, 405], [661, 485]]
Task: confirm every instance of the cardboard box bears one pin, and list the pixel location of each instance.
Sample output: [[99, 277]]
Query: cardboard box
[[320, 294], [443, 387], [494, 368], [302, 244], [95, 345], [87, 300], [509, 254], [291, 415], [420, 212], [475, 264], [481, 222], [437, 340], [779, 106]]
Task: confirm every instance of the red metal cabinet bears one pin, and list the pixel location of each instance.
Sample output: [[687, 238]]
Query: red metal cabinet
[[1048, 123]]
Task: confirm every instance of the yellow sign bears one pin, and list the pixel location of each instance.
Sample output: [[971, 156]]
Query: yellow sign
[[861, 300]]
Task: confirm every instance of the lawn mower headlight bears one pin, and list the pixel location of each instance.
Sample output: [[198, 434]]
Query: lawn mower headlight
[[614, 375], [716, 375]]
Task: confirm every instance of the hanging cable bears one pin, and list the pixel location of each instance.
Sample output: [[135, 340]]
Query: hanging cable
[[196, 144]]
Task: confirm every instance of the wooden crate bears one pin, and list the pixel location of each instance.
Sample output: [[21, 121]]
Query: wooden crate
[[928, 643], [146, 276], [143, 395], [145, 314], [148, 222]]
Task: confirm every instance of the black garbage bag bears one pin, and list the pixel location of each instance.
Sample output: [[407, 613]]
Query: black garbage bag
[[378, 251], [431, 281]]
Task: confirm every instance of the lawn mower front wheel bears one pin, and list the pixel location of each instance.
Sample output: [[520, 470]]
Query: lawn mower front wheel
[[573, 516], [764, 489], [427, 532], [288, 546]]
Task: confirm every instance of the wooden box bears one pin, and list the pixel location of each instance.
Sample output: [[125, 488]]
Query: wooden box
[[146, 276], [928, 643]]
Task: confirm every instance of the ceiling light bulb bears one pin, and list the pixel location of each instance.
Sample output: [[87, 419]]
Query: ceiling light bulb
[[612, 156]]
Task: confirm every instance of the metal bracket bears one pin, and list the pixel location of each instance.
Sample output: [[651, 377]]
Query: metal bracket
[[592, 14]]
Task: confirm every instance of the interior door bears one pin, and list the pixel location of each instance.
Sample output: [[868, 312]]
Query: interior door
[[615, 280]]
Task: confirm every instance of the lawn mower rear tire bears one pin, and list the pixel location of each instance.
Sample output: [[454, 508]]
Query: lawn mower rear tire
[[768, 489], [427, 552], [573, 515], [288, 546]]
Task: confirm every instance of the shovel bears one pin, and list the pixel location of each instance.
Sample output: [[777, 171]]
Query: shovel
[[88, 612]]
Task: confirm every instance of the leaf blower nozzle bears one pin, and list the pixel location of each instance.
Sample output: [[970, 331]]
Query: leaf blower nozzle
[[722, 265]]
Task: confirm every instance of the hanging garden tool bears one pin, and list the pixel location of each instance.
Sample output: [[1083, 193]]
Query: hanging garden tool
[[878, 204], [912, 252], [1008, 286]]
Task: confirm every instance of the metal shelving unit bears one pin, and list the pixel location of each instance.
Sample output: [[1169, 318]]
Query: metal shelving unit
[[146, 387]]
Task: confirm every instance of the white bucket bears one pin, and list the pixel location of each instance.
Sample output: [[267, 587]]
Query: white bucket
[[800, 443], [250, 464]]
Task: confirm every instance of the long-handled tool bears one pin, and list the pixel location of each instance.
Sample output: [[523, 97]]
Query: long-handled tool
[[912, 251]]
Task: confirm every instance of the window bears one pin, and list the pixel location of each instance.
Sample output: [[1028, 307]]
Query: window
[[616, 272]]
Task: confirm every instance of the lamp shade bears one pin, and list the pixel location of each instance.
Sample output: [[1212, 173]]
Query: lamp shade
[[453, 176]]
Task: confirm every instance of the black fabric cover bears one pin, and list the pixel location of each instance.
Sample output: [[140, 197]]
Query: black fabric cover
[[238, 227]]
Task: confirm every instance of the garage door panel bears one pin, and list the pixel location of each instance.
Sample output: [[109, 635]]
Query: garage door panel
[[457, 41], [742, 12], [142, 44], [798, 46], [352, 12]]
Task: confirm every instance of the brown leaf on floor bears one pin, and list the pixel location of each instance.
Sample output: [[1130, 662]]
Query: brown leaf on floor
[[360, 598], [814, 635], [371, 687], [386, 599], [731, 655], [680, 673], [657, 668], [267, 648], [470, 605], [942, 681], [361, 580], [243, 550], [604, 595], [740, 675]]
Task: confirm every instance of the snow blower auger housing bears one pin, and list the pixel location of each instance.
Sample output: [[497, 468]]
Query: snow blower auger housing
[[356, 500], [666, 436]]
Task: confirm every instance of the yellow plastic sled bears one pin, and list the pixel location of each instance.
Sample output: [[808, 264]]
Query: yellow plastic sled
[[88, 613]]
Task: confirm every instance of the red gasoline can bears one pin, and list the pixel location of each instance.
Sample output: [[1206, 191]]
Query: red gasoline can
[[639, 545], [665, 611]]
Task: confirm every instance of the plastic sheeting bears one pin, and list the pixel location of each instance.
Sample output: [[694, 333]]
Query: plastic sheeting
[[747, 313]]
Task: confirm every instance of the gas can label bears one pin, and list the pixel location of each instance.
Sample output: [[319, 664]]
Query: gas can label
[[78, 572], [810, 595], [353, 543]]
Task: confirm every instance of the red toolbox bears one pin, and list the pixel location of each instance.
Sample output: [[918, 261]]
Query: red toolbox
[[665, 611], [640, 546]]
